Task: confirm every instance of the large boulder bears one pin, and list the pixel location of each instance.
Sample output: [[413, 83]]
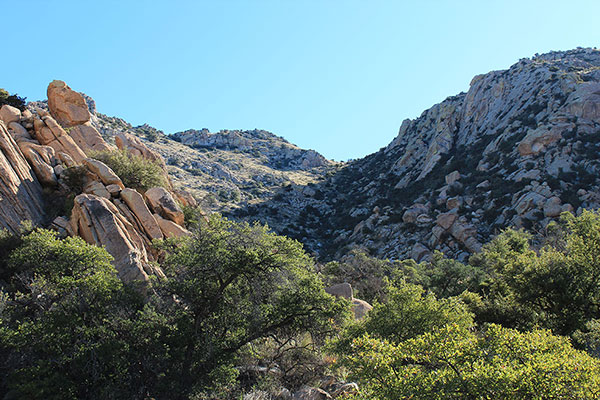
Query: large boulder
[[99, 222], [162, 203], [360, 308], [340, 290], [88, 138], [40, 159], [103, 171], [20, 191], [169, 228], [136, 204], [9, 114], [67, 106]]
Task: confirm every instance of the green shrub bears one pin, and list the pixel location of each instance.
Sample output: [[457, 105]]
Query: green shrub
[[136, 172], [12, 100]]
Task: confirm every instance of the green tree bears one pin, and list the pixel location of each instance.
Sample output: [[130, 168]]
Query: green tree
[[408, 312], [455, 362], [60, 315], [234, 284], [557, 287]]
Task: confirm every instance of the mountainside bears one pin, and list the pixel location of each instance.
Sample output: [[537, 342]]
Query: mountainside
[[517, 149], [229, 168]]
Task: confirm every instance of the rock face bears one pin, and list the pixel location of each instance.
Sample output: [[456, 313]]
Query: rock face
[[99, 222], [20, 191], [38, 151], [513, 151], [136, 204]]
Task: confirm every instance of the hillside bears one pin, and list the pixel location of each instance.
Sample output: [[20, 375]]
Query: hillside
[[516, 150]]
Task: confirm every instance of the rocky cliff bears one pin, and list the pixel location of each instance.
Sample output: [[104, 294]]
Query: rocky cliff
[[49, 178], [517, 149]]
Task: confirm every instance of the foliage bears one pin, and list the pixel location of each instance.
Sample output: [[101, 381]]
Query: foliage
[[366, 274], [235, 284], [74, 178], [135, 171], [407, 313], [442, 276], [58, 317], [557, 287], [193, 216], [455, 362], [12, 100]]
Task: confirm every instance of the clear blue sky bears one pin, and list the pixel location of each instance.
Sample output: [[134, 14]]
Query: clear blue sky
[[335, 76]]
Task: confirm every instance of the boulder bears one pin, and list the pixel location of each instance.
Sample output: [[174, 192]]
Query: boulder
[[452, 177], [18, 131], [162, 203], [169, 228], [539, 139], [67, 106], [419, 252], [43, 134], [454, 202], [340, 290], [103, 171], [41, 159], [99, 222], [9, 114], [136, 204], [446, 220], [552, 207], [65, 144], [528, 201], [185, 198], [54, 127], [97, 189], [88, 138], [360, 308], [114, 190], [20, 191], [410, 216]]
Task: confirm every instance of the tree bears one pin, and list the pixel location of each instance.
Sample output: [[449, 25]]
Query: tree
[[455, 362], [408, 312], [232, 284], [61, 312], [557, 287]]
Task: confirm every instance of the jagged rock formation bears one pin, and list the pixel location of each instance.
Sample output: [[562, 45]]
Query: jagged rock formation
[[518, 148], [45, 147]]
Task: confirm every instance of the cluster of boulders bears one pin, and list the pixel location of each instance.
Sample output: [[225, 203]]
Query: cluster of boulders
[[41, 148]]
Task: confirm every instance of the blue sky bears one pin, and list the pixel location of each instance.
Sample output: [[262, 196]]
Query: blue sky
[[335, 76]]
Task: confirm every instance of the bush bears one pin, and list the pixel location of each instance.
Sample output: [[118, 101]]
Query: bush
[[455, 362], [12, 100], [136, 172]]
